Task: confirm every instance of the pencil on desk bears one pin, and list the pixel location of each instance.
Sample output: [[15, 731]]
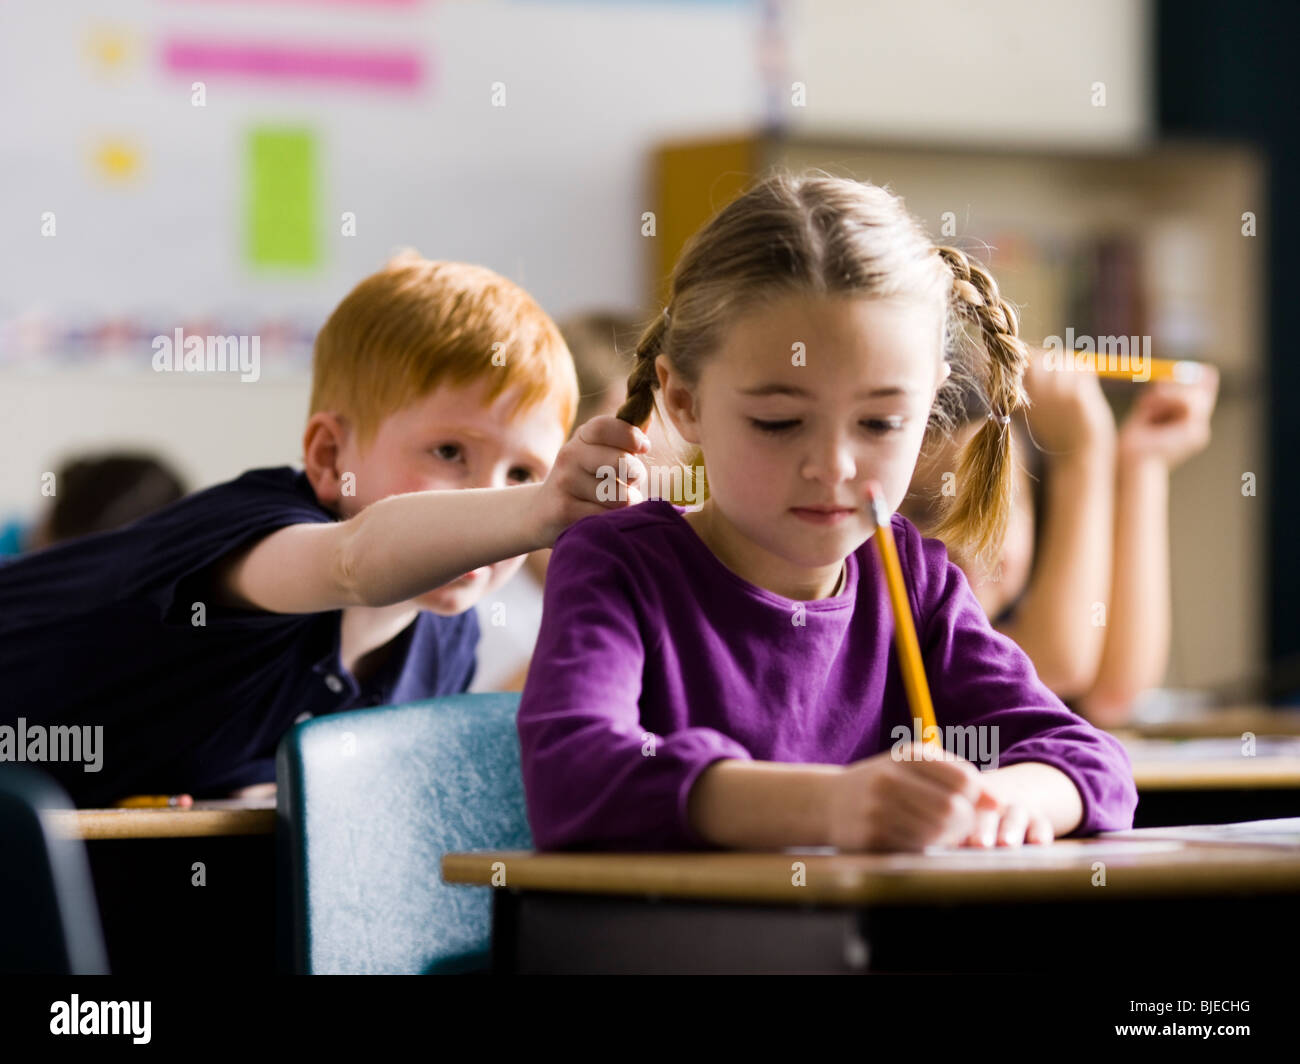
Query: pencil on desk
[[909, 649], [155, 801]]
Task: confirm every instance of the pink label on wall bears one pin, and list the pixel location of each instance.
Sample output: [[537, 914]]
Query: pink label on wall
[[385, 68]]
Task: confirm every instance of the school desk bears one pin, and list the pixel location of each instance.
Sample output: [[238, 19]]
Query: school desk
[[1214, 780], [1218, 722], [216, 818], [1167, 904], [156, 919]]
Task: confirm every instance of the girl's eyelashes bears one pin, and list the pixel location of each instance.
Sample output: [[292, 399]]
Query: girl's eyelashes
[[885, 424], [772, 426], [880, 426]]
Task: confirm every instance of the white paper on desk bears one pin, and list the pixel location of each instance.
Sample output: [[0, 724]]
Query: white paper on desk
[[1061, 850], [1265, 746], [1281, 832], [1055, 851]]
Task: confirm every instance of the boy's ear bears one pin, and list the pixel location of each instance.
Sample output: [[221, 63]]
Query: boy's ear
[[679, 400], [323, 442]]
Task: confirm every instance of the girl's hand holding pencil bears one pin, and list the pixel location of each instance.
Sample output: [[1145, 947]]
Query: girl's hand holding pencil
[[886, 803], [921, 796], [907, 799]]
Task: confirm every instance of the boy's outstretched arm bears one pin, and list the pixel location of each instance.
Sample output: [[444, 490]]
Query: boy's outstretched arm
[[405, 545]]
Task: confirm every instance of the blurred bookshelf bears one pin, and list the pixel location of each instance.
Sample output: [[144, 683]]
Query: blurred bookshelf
[[1142, 242]]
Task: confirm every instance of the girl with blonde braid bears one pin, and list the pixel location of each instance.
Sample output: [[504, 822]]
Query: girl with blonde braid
[[726, 676]]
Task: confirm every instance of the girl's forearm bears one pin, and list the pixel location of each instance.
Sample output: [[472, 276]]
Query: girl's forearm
[[762, 804], [765, 804], [1055, 623], [1136, 649], [405, 545]]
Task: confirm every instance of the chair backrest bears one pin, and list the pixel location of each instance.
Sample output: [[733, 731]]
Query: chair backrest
[[368, 802], [46, 894]]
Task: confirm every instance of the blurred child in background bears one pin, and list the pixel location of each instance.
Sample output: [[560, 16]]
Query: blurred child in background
[[95, 492], [1082, 582]]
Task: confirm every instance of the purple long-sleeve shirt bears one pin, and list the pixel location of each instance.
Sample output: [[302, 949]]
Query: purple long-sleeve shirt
[[655, 660]]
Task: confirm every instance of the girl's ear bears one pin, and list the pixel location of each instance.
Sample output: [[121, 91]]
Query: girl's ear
[[679, 400], [944, 374]]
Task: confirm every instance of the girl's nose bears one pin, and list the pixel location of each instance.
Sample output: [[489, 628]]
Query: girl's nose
[[834, 462]]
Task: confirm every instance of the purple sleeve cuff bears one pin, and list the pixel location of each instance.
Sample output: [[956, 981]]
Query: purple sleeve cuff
[[724, 749], [1101, 772]]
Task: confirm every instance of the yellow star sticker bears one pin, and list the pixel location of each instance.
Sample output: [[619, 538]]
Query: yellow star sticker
[[108, 48], [117, 160]]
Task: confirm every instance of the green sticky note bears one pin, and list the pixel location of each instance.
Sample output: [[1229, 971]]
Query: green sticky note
[[282, 192]]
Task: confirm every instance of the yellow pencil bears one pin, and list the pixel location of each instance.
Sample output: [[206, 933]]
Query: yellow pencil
[[155, 801], [1184, 371], [909, 649]]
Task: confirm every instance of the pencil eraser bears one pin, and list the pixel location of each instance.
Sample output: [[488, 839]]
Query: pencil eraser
[[876, 497]]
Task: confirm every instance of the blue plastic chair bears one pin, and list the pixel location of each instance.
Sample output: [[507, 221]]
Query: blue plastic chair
[[46, 894], [368, 801]]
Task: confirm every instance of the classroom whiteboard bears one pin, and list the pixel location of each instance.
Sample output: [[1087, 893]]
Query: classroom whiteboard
[[508, 134], [389, 119]]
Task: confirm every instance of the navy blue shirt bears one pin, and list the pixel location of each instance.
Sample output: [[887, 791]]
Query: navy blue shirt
[[100, 631]]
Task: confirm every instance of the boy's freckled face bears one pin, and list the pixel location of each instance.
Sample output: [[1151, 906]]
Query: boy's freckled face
[[450, 440], [779, 437]]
